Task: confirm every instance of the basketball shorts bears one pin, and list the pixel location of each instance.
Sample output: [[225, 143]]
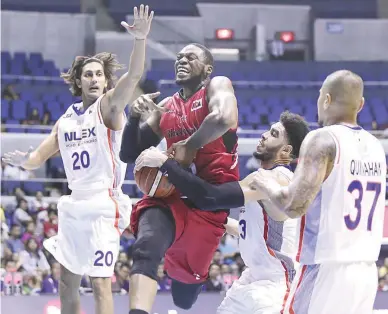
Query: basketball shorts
[[197, 236], [89, 228], [250, 296], [333, 288]]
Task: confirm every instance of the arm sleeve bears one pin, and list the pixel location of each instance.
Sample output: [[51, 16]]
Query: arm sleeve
[[136, 138], [204, 195]]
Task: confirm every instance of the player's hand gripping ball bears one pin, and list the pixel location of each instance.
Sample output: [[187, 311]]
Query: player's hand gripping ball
[[150, 180]]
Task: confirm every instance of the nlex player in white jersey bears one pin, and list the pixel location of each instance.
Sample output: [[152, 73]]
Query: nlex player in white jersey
[[267, 247], [88, 137], [339, 191]]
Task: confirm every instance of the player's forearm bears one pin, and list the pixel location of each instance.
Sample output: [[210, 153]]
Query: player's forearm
[[33, 162], [135, 139], [204, 195], [215, 125], [126, 85]]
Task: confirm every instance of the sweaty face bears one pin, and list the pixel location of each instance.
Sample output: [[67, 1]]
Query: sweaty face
[[93, 80], [190, 66], [271, 142]]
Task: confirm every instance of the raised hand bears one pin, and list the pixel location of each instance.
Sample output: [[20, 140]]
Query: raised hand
[[144, 103], [141, 24], [17, 158]]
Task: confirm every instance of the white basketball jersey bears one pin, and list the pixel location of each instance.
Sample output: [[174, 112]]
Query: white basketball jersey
[[89, 150], [345, 221], [268, 247]]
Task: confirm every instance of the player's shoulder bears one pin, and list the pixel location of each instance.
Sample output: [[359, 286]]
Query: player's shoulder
[[218, 82], [319, 143]]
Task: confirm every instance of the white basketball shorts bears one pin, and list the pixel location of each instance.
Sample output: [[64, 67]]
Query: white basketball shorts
[[89, 228], [333, 288], [250, 296]]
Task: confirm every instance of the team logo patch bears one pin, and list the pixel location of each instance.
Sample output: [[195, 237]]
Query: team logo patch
[[197, 104]]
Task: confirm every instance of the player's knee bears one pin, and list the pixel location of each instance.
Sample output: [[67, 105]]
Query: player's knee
[[102, 288], [68, 290], [185, 295], [147, 255]]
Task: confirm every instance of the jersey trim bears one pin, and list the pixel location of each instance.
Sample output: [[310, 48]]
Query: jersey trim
[[271, 252], [337, 143], [117, 213], [297, 287], [301, 234]]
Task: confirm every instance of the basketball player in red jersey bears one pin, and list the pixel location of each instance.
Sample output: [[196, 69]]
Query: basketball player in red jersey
[[199, 123]]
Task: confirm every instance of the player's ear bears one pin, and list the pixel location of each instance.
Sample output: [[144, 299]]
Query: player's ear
[[78, 82], [327, 101], [286, 152], [208, 70], [361, 104]]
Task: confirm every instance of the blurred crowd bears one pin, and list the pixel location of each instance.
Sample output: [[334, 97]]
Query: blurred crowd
[[27, 268]]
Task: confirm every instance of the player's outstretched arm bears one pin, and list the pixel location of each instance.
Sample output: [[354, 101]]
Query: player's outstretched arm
[[115, 100], [223, 113], [316, 160], [33, 159]]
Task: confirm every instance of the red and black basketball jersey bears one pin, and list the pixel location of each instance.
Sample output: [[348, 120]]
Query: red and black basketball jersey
[[216, 162]]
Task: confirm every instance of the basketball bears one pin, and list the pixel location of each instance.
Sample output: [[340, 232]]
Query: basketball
[[153, 183]]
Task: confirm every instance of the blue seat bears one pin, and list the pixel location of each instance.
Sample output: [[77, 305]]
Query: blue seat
[[19, 109], [37, 105], [55, 110], [9, 186], [4, 109]]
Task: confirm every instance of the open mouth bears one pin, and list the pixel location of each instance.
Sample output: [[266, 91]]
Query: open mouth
[[94, 88], [182, 70]]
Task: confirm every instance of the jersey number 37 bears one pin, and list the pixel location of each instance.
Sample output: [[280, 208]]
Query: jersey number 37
[[357, 189]]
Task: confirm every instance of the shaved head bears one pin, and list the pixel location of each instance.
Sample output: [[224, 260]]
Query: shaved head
[[344, 87], [341, 97]]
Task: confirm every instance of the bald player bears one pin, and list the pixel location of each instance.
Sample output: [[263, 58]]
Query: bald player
[[339, 191]]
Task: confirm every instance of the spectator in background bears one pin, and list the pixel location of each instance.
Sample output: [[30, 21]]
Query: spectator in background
[[31, 233], [38, 202], [33, 118], [383, 285], [33, 260], [50, 227], [9, 93], [4, 226], [123, 257], [21, 216], [164, 283], [19, 195], [123, 277], [46, 120], [214, 283], [31, 285], [14, 242], [383, 270], [50, 283], [217, 258]]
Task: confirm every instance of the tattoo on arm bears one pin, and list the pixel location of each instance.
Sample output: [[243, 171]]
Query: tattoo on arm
[[316, 161]]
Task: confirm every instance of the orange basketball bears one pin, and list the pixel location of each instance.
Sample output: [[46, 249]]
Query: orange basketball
[[153, 183]]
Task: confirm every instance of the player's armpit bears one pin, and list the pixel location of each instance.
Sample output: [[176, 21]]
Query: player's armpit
[[45, 150], [316, 161]]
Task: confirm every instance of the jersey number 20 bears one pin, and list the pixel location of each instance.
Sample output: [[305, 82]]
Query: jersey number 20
[[79, 160], [370, 187]]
